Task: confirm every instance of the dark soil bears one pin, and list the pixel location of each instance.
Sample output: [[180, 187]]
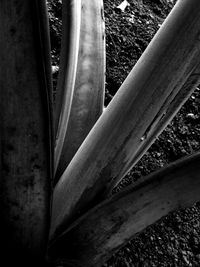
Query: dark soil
[[174, 240]]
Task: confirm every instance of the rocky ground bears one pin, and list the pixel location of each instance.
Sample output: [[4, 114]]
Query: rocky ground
[[174, 240]]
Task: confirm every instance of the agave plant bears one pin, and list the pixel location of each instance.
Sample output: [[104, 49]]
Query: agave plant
[[59, 165]]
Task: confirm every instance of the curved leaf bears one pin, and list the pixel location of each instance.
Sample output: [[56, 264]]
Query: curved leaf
[[88, 97], [66, 80], [105, 229]]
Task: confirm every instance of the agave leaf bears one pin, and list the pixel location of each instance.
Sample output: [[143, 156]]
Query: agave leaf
[[105, 229], [88, 97], [110, 147], [68, 65], [25, 135], [169, 109]]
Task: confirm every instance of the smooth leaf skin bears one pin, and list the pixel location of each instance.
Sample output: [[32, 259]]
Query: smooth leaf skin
[[102, 231], [110, 147], [25, 133], [88, 97], [71, 18], [172, 105]]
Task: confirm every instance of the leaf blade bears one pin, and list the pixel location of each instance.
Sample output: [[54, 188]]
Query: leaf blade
[[101, 232], [88, 97], [66, 80], [26, 134]]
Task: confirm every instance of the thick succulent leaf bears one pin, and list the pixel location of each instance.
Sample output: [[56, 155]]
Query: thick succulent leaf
[[105, 229], [25, 134], [113, 143], [88, 97], [71, 18], [170, 108]]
